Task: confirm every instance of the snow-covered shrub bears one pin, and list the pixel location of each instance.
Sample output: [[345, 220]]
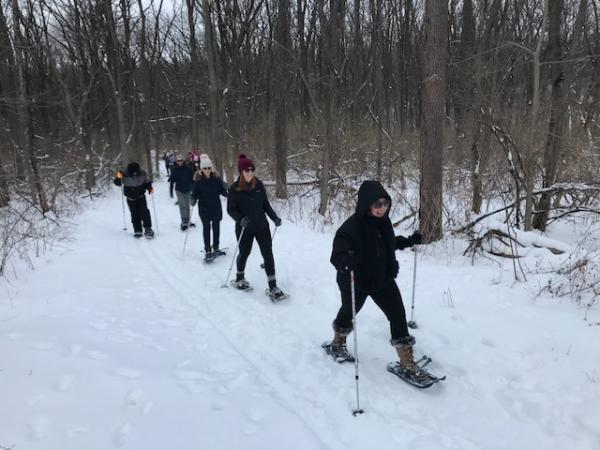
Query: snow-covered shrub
[[578, 278]]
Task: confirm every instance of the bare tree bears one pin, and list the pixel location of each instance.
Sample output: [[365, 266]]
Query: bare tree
[[281, 82], [23, 106], [433, 117]]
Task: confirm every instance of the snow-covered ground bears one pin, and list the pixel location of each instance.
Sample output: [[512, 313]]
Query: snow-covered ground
[[116, 343]]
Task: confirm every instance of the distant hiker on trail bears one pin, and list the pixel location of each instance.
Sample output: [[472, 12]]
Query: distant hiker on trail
[[171, 161], [365, 244], [135, 183], [195, 159], [247, 204], [208, 185], [182, 177]]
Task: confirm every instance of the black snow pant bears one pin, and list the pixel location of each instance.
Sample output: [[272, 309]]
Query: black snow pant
[[263, 237], [387, 299], [216, 231], [139, 213]]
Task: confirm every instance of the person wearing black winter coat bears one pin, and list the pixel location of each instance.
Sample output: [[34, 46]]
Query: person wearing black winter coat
[[365, 245], [182, 178], [248, 205], [135, 183], [208, 186]]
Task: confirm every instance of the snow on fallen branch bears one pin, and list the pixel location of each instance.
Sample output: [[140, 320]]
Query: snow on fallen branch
[[579, 197], [499, 239]]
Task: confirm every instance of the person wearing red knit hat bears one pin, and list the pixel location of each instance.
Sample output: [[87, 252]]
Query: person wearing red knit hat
[[248, 205]]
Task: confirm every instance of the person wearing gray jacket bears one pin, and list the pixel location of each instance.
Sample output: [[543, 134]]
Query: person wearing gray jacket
[[182, 178]]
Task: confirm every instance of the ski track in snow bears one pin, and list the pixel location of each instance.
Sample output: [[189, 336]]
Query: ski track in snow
[[138, 347]]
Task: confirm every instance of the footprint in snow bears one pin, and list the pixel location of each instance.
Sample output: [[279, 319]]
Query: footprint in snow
[[125, 372], [250, 428], [137, 398], [75, 431], [92, 354], [38, 428], [488, 342], [99, 325], [64, 382], [254, 415], [120, 435], [75, 349], [134, 397], [42, 345]]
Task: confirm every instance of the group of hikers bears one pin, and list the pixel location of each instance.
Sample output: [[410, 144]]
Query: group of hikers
[[363, 251]]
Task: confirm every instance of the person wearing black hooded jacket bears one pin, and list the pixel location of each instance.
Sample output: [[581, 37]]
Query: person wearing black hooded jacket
[[135, 183], [365, 245]]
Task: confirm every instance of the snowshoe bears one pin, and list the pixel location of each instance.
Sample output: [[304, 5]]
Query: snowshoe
[[192, 225], [276, 294], [218, 252], [137, 234], [338, 352], [149, 233], [183, 227], [209, 257], [242, 285], [420, 378]]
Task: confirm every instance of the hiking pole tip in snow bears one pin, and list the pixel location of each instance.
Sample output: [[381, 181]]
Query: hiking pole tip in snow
[[411, 323], [237, 246]]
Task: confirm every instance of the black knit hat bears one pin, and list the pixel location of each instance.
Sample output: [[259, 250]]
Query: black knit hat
[[133, 167]]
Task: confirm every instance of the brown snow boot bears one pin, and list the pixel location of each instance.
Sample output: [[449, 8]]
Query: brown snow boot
[[407, 360], [339, 342]]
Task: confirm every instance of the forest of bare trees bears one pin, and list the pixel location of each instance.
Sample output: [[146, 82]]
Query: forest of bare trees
[[498, 97]]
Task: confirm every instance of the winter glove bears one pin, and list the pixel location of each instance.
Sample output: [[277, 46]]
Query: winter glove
[[244, 221], [416, 238], [151, 190], [277, 221], [348, 262], [120, 175]]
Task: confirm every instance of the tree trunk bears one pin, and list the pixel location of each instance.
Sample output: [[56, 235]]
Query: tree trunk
[[554, 139], [216, 106], [433, 117], [281, 93], [23, 106], [4, 192], [531, 150]]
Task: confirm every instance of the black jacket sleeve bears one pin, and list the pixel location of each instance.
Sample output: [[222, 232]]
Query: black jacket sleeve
[[223, 190], [148, 184], [342, 245], [268, 208], [232, 208], [402, 242], [196, 191], [171, 183]]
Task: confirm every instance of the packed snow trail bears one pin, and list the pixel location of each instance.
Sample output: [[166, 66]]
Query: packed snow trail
[[120, 343]]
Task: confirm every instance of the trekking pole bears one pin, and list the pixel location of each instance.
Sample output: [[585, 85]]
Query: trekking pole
[[154, 209], [123, 205], [224, 285], [353, 291], [262, 265], [187, 231], [411, 323]]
